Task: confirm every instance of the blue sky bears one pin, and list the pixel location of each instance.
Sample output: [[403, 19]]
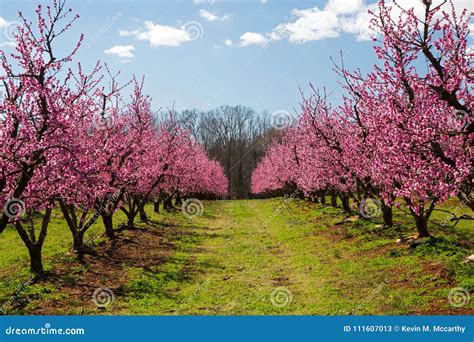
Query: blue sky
[[205, 53]]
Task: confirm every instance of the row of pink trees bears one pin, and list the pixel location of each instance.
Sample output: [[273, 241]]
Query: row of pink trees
[[404, 130], [68, 141]]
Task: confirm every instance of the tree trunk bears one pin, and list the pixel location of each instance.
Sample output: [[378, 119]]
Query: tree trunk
[[36, 262], [74, 226], [156, 206], [422, 226], [130, 220], [33, 242], [422, 216], [333, 200], [109, 227], [178, 202], [80, 248], [78, 241], [168, 204], [323, 199], [143, 215], [387, 215], [345, 203]]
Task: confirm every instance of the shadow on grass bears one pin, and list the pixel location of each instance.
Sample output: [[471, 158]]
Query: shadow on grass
[[144, 260]]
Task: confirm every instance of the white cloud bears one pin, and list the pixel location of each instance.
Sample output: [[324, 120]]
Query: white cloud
[[337, 17], [3, 23], [204, 1], [311, 24], [359, 24], [122, 51], [228, 42], [314, 24], [161, 35], [252, 38], [263, 2], [471, 29], [209, 16], [344, 6]]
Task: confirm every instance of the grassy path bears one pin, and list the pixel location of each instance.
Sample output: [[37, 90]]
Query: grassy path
[[248, 257], [266, 264]]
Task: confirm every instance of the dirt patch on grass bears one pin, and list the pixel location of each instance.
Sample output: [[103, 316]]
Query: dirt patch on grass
[[333, 233], [280, 281], [437, 269], [441, 306]]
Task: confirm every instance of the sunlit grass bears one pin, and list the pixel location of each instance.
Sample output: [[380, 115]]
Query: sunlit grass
[[233, 257]]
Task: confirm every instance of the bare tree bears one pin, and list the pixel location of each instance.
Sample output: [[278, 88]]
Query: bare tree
[[236, 136]]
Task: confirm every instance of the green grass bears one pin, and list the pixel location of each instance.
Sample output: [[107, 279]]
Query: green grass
[[239, 255]]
